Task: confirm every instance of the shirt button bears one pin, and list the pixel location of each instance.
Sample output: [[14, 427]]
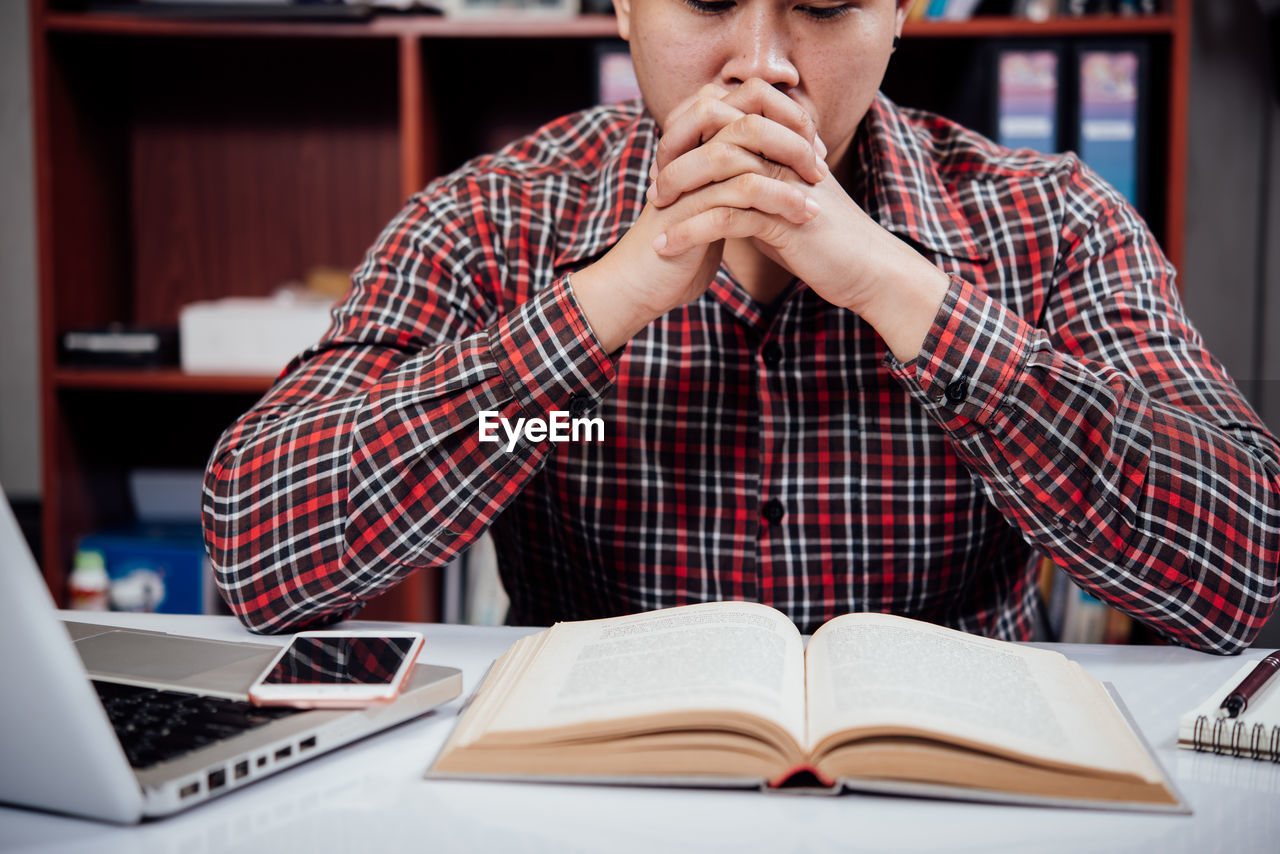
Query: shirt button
[[958, 390], [772, 354], [774, 511], [578, 405]]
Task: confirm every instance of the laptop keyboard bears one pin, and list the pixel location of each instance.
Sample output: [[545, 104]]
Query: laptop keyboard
[[154, 726]]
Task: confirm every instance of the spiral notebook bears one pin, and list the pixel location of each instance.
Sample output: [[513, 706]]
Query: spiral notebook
[[1255, 734]]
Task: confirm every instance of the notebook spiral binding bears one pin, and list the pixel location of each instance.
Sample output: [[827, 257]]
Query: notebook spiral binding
[[1226, 737]]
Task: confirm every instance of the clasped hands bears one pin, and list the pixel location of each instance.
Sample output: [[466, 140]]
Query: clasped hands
[[748, 164]]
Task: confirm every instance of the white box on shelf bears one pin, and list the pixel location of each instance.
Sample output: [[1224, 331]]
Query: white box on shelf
[[249, 335]]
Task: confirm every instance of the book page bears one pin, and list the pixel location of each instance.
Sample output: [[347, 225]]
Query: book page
[[887, 674], [724, 655]]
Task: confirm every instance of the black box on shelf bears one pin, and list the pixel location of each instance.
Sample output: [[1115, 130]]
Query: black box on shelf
[[120, 344]]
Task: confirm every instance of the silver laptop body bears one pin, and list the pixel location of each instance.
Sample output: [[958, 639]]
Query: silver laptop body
[[58, 750]]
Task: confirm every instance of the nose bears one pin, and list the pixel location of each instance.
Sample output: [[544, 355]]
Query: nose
[[760, 46]]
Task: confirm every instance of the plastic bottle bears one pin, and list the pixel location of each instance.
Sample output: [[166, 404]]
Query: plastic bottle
[[89, 583]]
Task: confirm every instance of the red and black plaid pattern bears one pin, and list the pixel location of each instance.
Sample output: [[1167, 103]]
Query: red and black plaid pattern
[[1062, 404]]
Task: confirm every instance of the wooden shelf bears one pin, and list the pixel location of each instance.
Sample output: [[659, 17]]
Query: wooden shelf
[[385, 26], [580, 26], [1003, 27], [158, 380]]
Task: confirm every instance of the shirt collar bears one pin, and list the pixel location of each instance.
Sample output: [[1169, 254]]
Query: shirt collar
[[904, 191]]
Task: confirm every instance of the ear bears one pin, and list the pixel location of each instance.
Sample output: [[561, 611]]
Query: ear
[[622, 8], [900, 17]]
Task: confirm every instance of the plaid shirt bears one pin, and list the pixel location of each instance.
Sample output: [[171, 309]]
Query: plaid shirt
[[1061, 404]]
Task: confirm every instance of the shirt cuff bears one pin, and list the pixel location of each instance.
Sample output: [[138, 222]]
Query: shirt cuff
[[970, 357], [549, 357]]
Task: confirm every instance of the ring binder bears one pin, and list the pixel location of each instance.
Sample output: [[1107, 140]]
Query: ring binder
[[1204, 739], [1255, 734]]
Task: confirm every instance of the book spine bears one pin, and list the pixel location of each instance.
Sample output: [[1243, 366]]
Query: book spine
[[801, 776], [1027, 99], [1236, 738], [1110, 105]]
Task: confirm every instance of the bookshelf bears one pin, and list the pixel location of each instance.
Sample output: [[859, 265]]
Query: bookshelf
[[181, 159]]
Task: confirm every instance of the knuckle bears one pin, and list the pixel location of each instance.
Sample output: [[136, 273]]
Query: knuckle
[[800, 205], [754, 183], [705, 110], [751, 126], [718, 153], [774, 233]]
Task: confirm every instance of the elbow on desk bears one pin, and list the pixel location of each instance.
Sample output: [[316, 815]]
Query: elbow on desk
[[275, 611], [1228, 626], [256, 576], [1213, 587]]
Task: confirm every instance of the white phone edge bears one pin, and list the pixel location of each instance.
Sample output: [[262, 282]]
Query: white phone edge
[[318, 696]]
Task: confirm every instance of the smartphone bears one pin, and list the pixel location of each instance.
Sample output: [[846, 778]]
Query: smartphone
[[337, 670]]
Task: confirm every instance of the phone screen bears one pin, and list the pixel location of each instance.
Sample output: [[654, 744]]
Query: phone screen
[[340, 660]]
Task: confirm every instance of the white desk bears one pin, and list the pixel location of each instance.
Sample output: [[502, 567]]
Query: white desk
[[371, 796]]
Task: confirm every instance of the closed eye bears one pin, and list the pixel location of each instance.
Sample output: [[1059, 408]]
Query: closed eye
[[713, 7], [823, 13]]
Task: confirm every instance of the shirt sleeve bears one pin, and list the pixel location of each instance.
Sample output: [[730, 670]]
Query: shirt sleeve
[[1109, 435], [364, 463]]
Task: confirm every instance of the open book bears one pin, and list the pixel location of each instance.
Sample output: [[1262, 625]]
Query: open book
[[726, 693]]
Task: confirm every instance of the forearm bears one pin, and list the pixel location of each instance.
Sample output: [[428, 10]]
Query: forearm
[[315, 503], [1163, 499], [905, 296]]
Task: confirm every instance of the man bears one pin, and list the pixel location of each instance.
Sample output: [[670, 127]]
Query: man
[[848, 357]]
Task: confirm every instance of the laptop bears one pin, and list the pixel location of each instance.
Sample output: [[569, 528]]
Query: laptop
[[121, 725]]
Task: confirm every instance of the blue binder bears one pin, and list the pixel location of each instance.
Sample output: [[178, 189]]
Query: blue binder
[[1110, 129], [1027, 98]]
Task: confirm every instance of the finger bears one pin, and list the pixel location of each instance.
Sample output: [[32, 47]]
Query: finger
[[753, 190], [718, 224], [746, 192], [711, 163], [757, 96], [699, 122], [709, 92], [775, 142]]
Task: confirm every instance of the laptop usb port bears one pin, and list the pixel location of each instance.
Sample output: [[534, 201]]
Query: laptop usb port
[[242, 769], [189, 789], [217, 779], [283, 753], [307, 743]]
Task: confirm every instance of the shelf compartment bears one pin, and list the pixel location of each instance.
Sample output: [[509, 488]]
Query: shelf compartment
[[993, 26], [380, 26], [158, 380]]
